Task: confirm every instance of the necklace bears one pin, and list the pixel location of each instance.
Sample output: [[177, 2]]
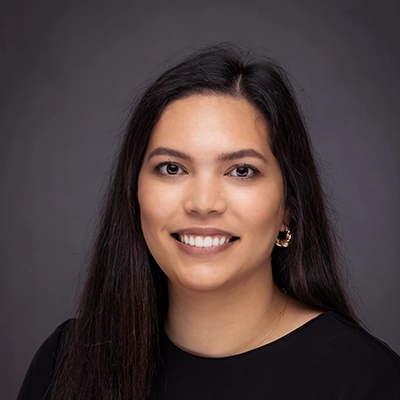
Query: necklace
[[280, 315]]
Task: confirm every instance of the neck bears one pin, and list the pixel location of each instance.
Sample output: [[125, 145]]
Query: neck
[[226, 322]]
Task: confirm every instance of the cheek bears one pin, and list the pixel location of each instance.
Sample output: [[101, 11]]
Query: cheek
[[155, 214], [149, 208], [156, 206], [262, 208]]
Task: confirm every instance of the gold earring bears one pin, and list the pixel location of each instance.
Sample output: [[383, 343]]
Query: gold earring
[[284, 242]]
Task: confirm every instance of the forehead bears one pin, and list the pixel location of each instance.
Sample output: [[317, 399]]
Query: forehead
[[212, 120]]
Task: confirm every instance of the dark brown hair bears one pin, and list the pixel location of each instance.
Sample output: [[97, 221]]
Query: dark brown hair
[[112, 346]]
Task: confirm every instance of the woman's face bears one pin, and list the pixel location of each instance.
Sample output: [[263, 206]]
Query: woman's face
[[211, 194]]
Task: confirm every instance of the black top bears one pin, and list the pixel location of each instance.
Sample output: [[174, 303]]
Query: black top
[[327, 358]]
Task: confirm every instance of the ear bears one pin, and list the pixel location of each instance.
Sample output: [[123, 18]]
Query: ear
[[286, 219]]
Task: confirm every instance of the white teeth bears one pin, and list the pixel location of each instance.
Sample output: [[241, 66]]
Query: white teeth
[[207, 241], [198, 241]]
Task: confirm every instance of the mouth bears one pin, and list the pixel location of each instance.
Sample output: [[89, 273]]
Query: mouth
[[201, 241]]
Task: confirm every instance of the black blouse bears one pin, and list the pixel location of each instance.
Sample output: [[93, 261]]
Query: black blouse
[[327, 358]]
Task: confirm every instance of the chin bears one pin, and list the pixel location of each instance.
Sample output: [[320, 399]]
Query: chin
[[202, 280]]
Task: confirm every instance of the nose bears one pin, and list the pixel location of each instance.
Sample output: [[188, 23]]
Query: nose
[[205, 196]]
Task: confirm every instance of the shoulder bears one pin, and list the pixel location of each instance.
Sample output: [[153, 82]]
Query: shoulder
[[353, 356], [40, 374], [353, 340]]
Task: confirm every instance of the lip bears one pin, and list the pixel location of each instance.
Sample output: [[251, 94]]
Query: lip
[[203, 231], [203, 251]]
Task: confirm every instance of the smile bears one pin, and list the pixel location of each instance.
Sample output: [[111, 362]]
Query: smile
[[204, 241]]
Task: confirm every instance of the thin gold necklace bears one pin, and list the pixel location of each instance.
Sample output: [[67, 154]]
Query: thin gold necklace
[[280, 315]]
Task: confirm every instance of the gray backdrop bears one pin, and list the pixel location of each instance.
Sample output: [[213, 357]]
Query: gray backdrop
[[68, 72]]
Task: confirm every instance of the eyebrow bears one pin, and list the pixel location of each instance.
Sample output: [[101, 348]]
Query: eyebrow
[[240, 154], [165, 151], [234, 155]]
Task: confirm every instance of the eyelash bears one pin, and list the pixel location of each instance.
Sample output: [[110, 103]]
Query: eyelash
[[160, 165], [255, 170]]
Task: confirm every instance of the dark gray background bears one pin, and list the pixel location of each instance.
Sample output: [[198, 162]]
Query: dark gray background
[[68, 72]]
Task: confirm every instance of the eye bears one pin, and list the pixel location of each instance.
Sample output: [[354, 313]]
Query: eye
[[169, 169], [243, 171]]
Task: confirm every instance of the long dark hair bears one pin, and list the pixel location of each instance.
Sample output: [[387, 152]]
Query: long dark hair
[[112, 346]]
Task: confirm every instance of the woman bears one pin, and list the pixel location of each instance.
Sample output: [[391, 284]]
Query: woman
[[214, 274]]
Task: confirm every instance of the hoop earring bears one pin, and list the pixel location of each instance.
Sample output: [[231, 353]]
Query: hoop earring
[[284, 242]]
